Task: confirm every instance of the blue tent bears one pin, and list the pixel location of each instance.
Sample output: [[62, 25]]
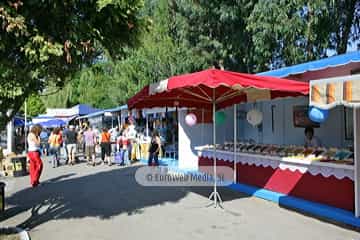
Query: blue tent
[[18, 122], [53, 123], [333, 61], [83, 109]]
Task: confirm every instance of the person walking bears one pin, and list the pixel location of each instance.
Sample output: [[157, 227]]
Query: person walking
[[90, 142], [154, 149], [125, 146], [81, 137], [63, 132], [44, 137], [114, 136], [131, 136], [71, 138], [105, 145], [36, 164], [55, 141]]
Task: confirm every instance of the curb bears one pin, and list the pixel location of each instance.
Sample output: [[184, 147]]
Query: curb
[[23, 234]]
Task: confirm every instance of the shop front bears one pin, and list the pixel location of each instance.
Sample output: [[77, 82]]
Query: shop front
[[272, 155]]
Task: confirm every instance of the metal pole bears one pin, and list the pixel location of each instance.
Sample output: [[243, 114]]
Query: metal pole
[[235, 141], [202, 128], [214, 142], [147, 124], [10, 136], [215, 194], [357, 160], [25, 126]]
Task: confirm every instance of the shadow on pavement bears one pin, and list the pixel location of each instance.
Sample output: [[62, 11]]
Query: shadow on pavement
[[103, 195], [226, 194]]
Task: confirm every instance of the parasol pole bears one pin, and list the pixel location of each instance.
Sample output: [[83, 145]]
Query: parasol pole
[[25, 126], [235, 141], [215, 195], [202, 128], [147, 124]]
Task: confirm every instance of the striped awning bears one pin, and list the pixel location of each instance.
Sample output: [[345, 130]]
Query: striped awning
[[327, 93]]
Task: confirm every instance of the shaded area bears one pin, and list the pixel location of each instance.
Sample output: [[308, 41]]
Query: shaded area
[[103, 195]]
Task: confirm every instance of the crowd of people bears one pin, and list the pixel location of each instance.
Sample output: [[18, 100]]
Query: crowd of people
[[114, 146]]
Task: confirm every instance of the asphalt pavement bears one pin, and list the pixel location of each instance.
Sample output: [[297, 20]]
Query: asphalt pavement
[[83, 202]]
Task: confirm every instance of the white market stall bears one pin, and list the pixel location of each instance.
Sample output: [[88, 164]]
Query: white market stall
[[281, 164], [327, 94], [213, 90]]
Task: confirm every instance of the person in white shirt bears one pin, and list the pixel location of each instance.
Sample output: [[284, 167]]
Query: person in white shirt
[[114, 136], [311, 141], [36, 164], [131, 136]]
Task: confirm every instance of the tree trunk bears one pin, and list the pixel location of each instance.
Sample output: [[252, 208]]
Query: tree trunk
[[346, 17], [9, 104]]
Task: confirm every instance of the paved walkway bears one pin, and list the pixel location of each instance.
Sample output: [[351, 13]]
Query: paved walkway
[[83, 203]]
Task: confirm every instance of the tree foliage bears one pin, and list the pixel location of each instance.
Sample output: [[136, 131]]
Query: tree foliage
[[189, 35], [44, 41], [253, 36], [34, 106], [216, 30], [108, 84], [291, 32]]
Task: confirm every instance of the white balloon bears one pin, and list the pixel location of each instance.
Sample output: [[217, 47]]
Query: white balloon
[[190, 119], [254, 117]]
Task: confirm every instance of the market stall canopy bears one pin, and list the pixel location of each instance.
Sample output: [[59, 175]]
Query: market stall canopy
[[53, 123], [223, 88], [328, 93], [102, 112], [43, 118], [19, 121], [330, 62], [77, 110]]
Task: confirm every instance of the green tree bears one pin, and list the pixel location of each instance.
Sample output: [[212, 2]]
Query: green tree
[[345, 24], [291, 32], [108, 84], [34, 106], [44, 41], [216, 30]]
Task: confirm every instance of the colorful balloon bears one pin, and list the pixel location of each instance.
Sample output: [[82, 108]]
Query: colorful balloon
[[318, 115], [254, 117], [220, 117], [190, 119]]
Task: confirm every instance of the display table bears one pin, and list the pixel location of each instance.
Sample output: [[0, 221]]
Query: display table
[[322, 182]]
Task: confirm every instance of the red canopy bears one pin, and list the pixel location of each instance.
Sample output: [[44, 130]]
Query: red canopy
[[224, 88]]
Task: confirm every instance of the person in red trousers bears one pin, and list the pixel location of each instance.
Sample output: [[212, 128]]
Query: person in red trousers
[[36, 164]]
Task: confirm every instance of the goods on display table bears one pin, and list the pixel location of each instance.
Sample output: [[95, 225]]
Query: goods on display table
[[324, 175], [331, 155]]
